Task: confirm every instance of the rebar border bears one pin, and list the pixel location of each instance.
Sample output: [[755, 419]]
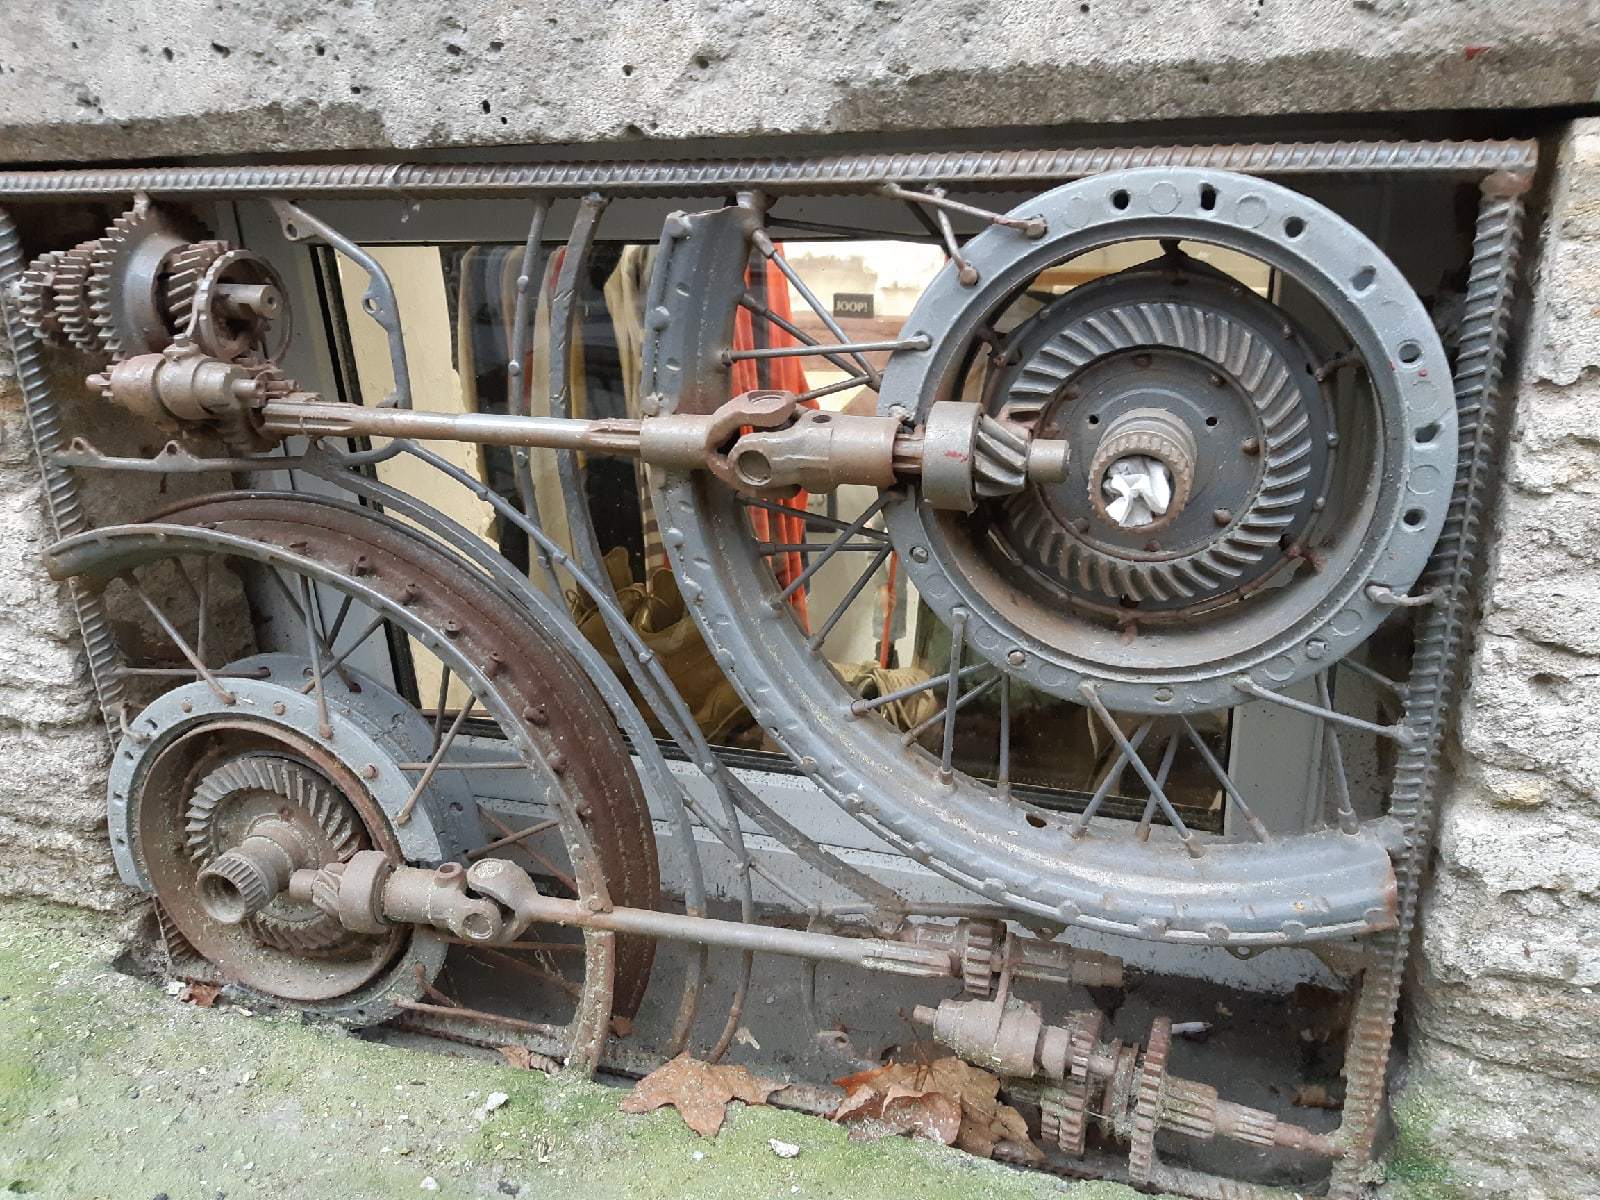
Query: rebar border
[[1439, 657]]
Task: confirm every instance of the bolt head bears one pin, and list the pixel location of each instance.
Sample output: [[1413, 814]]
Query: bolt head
[[1016, 658]]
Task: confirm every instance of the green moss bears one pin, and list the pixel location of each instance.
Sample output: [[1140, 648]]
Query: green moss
[[109, 1088], [1414, 1170]]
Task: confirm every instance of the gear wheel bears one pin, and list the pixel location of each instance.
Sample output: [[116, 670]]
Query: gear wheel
[[69, 296], [36, 297], [240, 427], [1063, 1117], [978, 958], [1147, 1102], [185, 269], [240, 791], [125, 283]]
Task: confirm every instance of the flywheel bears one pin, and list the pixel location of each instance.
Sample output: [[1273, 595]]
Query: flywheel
[[1259, 468]]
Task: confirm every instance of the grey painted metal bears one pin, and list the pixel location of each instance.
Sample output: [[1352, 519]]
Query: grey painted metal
[[842, 171], [1439, 658], [63, 506], [1297, 890], [1385, 533]]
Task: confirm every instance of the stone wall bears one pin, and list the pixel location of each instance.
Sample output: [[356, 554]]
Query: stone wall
[[53, 747], [1506, 1041], [104, 79]]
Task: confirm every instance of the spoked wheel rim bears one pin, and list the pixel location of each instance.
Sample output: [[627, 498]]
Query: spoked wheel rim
[[551, 721], [1157, 879]]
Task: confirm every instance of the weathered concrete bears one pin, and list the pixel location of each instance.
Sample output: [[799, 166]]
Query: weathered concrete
[[142, 78], [1507, 1020]]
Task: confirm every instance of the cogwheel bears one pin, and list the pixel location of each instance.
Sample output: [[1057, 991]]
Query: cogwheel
[[125, 283], [1063, 1117], [977, 958], [1147, 1102], [36, 297], [241, 789], [69, 287], [184, 271], [240, 428]]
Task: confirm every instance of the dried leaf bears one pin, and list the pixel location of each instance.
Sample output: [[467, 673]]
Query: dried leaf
[[699, 1091], [201, 995], [920, 1098], [526, 1060], [1315, 1095]]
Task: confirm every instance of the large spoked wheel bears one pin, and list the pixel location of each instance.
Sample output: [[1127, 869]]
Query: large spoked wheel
[[1251, 490], [347, 763]]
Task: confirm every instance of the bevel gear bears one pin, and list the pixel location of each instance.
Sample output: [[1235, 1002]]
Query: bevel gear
[[244, 791], [130, 260]]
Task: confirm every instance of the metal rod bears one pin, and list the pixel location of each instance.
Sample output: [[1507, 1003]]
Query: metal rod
[[821, 520], [761, 310], [1341, 782], [849, 598], [1255, 823], [920, 342], [531, 831], [1092, 696], [1109, 779], [618, 436], [404, 815], [167, 627], [859, 707], [1002, 774], [935, 198], [952, 697], [824, 553], [829, 173], [1162, 772], [1398, 733], [764, 244], [943, 714]]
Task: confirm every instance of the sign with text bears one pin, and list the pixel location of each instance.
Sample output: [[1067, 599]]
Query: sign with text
[[852, 304]]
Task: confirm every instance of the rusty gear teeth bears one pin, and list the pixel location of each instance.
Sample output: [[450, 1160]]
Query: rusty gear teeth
[[311, 800], [124, 284], [186, 268], [69, 287], [1146, 1111], [36, 297]]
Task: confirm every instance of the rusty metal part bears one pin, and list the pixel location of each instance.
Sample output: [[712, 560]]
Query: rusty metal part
[[69, 296], [788, 447], [182, 384], [125, 283], [841, 172], [422, 588], [35, 297], [1133, 1093], [983, 952], [237, 299], [370, 892]]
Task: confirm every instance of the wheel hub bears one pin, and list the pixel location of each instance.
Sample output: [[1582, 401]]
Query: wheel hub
[[1201, 439]]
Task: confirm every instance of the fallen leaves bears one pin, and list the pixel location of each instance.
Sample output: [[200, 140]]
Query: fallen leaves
[[201, 995], [526, 1060], [946, 1101], [699, 1091]]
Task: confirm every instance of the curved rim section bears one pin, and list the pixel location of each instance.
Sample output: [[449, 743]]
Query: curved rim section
[[1361, 290], [1294, 890], [604, 817]]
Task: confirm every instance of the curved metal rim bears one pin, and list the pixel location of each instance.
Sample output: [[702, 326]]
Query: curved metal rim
[[1359, 287], [106, 551]]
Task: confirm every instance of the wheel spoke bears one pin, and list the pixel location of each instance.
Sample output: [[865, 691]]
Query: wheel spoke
[[826, 551], [849, 598], [1398, 733], [512, 838], [1257, 827], [336, 664], [1157, 793], [1162, 772], [1341, 780], [820, 520], [188, 652], [555, 872], [1002, 774], [1113, 772], [861, 707], [770, 252], [404, 815]]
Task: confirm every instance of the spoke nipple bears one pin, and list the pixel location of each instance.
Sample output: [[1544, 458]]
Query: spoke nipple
[[452, 629], [1017, 658], [1250, 446], [370, 771], [968, 276], [919, 554], [1035, 228], [299, 547], [279, 708], [1221, 516], [557, 762], [361, 567], [410, 594], [536, 715], [186, 707]]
